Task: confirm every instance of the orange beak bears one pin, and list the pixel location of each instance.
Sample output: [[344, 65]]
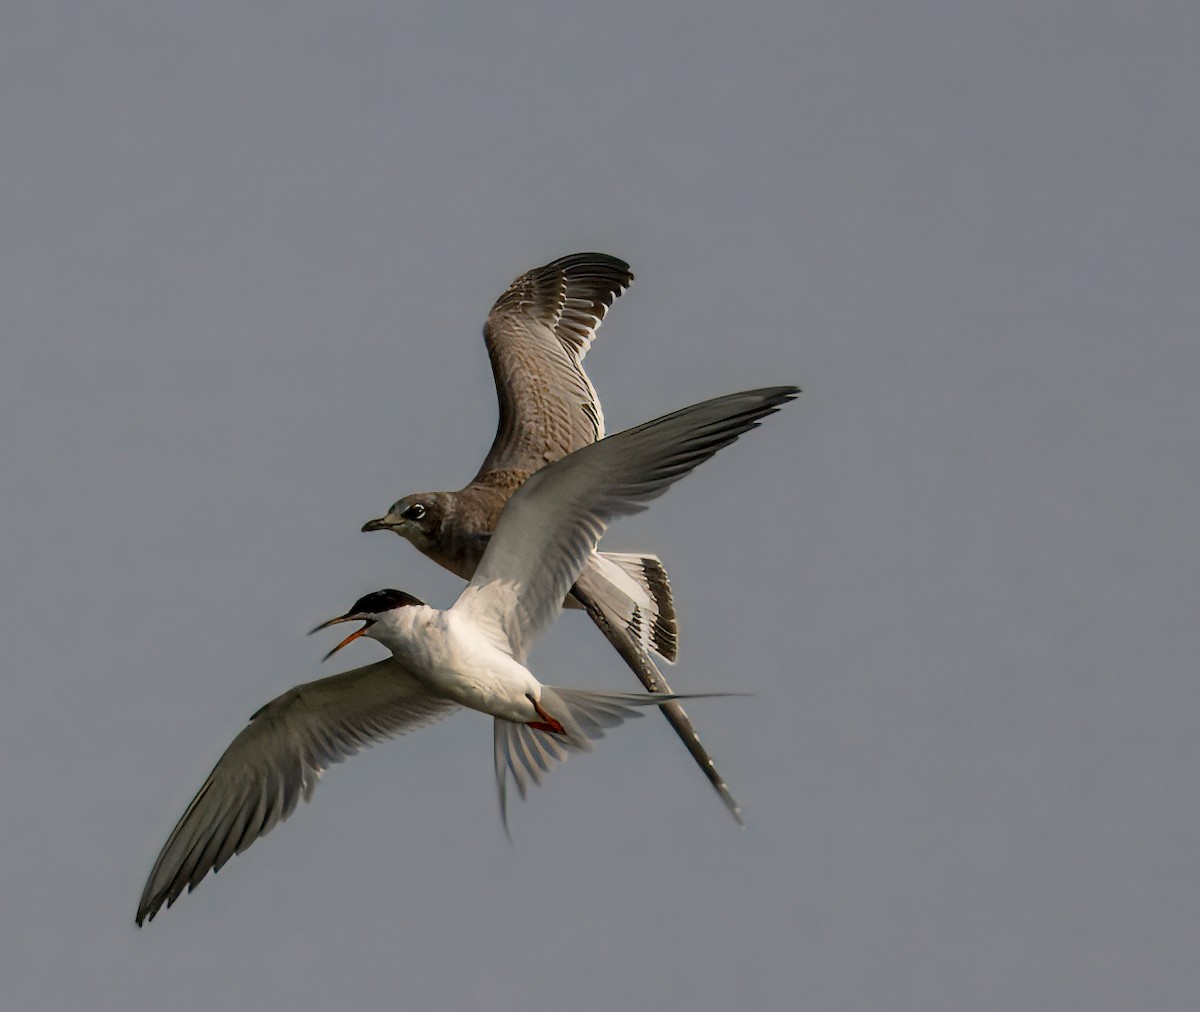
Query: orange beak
[[349, 639]]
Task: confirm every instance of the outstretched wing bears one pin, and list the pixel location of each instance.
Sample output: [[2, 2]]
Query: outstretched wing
[[278, 757], [557, 517], [537, 335]]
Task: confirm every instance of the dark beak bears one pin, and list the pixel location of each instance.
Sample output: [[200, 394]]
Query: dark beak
[[378, 524]]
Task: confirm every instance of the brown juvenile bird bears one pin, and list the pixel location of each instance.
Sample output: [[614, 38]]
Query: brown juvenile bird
[[537, 335]]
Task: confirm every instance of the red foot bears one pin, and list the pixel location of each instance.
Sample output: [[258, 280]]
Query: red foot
[[547, 723]]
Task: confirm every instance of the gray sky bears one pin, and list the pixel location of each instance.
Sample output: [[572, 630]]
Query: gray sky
[[244, 261]]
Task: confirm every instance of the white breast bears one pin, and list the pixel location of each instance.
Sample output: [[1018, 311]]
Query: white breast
[[456, 661]]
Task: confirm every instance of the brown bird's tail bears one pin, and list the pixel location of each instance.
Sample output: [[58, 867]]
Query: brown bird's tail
[[633, 593]]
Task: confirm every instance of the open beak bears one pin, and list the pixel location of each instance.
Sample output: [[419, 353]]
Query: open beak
[[367, 623]]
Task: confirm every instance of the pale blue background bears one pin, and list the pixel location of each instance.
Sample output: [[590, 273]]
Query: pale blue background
[[245, 252]]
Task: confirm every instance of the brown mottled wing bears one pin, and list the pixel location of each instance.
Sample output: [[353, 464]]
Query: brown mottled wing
[[537, 335]]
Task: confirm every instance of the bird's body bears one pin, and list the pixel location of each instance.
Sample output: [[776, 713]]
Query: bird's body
[[445, 652], [628, 594], [473, 654]]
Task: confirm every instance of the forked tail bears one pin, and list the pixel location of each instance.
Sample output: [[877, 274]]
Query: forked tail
[[528, 752]]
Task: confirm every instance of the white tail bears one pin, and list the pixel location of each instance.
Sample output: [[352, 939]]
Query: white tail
[[528, 752]]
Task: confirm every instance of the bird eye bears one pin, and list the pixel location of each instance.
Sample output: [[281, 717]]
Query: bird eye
[[414, 512]]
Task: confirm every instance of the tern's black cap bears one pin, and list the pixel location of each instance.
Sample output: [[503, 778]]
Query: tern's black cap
[[383, 600]]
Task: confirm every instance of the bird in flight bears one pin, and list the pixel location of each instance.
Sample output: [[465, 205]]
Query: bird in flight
[[472, 654], [537, 335]]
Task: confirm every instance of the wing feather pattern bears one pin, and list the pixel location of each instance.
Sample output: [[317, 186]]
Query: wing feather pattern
[[278, 758], [537, 335], [556, 518]]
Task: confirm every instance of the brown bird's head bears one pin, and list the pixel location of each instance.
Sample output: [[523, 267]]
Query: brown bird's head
[[418, 518]]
